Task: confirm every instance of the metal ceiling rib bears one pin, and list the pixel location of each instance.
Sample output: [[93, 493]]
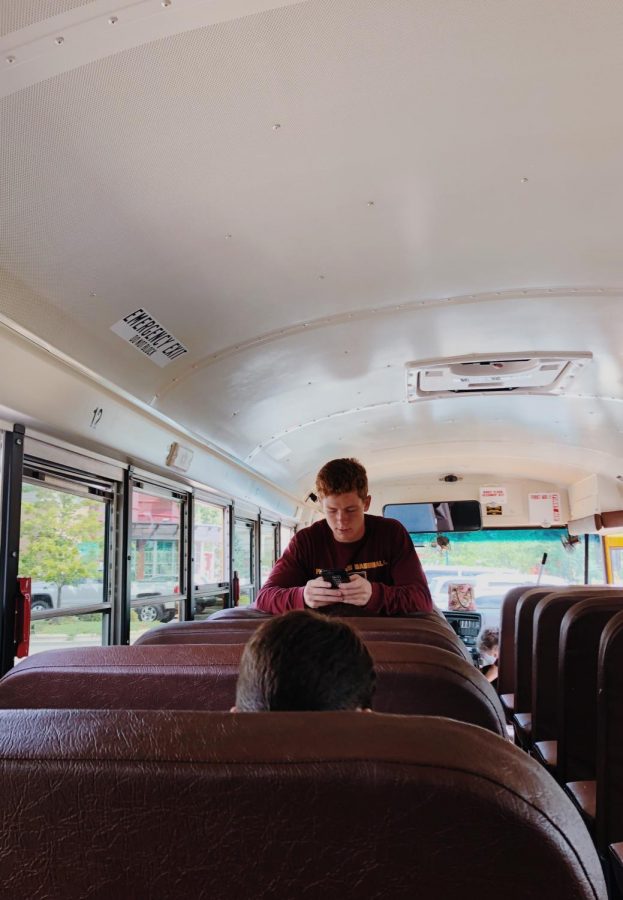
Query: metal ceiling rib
[[79, 33], [18, 14]]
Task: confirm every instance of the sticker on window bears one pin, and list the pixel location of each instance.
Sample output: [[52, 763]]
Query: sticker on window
[[145, 333]]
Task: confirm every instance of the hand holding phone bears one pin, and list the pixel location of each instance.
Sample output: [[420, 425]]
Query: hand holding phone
[[336, 577]]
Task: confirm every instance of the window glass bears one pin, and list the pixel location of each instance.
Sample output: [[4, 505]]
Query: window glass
[[63, 551], [155, 559], [244, 559], [268, 549], [613, 549], [616, 561], [492, 561], [287, 533], [89, 630], [211, 559]]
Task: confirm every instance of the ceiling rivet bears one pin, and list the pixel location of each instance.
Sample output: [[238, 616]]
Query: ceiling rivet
[[10, 59], [276, 126], [524, 180], [59, 40], [165, 3], [370, 202], [113, 20]]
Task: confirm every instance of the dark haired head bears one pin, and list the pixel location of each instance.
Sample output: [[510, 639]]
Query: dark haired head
[[304, 661], [341, 476]]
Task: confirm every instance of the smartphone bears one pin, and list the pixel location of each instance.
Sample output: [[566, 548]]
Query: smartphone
[[335, 576]]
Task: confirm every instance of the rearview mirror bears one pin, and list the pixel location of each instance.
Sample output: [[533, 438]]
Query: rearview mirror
[[452, 515]]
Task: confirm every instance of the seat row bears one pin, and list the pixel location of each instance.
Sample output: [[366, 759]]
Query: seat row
[[567, 692], [412, 678], [144, 789]]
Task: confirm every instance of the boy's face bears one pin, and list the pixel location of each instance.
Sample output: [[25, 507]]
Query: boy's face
[[345, 515]]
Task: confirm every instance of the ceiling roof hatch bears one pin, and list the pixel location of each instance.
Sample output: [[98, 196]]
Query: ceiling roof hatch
[[524, 373]]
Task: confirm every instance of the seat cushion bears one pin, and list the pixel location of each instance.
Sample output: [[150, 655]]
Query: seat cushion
[[584, 795], [616, 863], [522, 723], [546, 752]]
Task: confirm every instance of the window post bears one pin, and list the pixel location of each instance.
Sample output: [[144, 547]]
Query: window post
[[12, 466]]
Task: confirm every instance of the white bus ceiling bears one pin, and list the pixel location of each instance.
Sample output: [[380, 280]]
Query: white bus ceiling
[[307, 196]]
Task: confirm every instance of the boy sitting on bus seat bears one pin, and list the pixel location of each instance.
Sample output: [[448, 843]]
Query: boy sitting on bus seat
[[378, 568], [303, 661]]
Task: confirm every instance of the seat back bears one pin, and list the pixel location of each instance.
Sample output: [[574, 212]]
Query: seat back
[[163, 804], [421, 680], [239, 614], [548, 617], [609, 805], [245, 613], [506, 663], [580, 634], [524, 619], [421, 631], [412, 679]]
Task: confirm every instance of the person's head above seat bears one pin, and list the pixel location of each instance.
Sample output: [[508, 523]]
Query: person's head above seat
[[488, 641], [342, 488], [305, 661]]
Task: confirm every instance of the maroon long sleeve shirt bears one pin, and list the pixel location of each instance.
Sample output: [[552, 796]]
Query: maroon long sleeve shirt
[[385, 555]]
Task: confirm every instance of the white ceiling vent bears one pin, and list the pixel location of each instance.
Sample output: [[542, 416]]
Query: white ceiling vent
[[525, 373]]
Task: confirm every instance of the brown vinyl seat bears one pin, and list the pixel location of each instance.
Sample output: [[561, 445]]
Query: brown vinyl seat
[[420, 631], [616, 864], [506, 662], [244, 613], [609, 782], [601, 798], [248, 622], [524, 618], [412, 679], [580, 635], [239, 614], [169, 804], [548, 617]]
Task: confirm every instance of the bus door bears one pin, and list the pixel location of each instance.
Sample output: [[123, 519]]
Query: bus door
[[613, 547]]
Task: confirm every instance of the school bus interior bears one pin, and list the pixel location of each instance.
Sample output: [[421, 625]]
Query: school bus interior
[[239, 239]]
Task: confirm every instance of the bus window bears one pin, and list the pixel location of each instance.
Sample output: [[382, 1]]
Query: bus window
[[244, 559], [492, 561], [269, 532], [155, 558], [63, 550], [613, 546], [287, 533], [211, 558]]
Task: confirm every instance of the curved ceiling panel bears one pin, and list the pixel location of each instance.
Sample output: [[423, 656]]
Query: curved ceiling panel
[[309, 195]]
